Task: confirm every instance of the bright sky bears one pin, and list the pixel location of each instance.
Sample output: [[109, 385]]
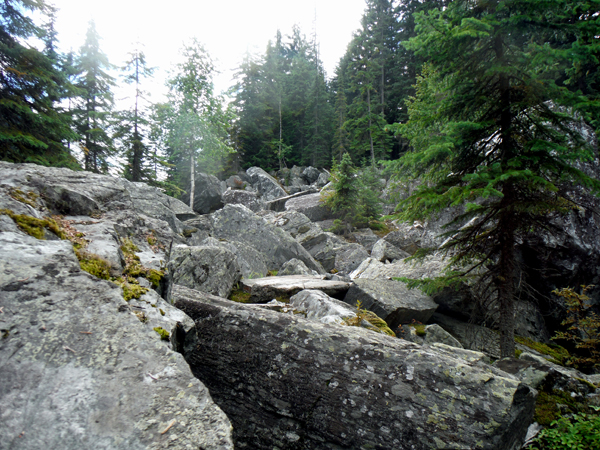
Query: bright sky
[[227, 28]]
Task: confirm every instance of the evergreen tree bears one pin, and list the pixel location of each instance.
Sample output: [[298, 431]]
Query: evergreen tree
[[132, 123], [94, 104], [195, 122], [493, 131], [31, 127]]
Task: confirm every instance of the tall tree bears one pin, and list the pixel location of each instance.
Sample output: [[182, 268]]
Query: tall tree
[[94, 104], [492, 130], [31, 127], [132, 123], [195, 120]]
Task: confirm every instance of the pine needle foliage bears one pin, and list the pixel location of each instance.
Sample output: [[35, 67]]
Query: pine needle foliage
[[497, 132]]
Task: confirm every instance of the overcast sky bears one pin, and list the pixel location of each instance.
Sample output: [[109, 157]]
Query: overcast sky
[[227, 28]]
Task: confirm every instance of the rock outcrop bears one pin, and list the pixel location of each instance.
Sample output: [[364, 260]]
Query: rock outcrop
[[331, 387], [79, 369]]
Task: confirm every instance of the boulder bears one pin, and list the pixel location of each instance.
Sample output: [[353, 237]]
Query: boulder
[[288, 382], [236, 222], [471, 336], [366, 238], [430, 267], [267, 186], [279, 203], [248, 199], [322, 180], [311, 206], [235, 182], [292, 222], [214, 270], [431, 334], [252, 263], [294, 267], [197, 230], [310, 174], [317, 305], [266, 289], [348, 257], [79, 370], [391, 300], [207, 194], [323, 246], [383, 251]]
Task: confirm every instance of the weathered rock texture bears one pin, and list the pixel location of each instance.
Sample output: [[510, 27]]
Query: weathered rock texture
[[267, 186], [79, 370], [287, 382], [207, 194], [311, 206], [265, 289], [391, 300], [236, 222]]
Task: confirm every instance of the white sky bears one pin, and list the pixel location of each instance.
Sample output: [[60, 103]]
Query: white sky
[[227, 28]]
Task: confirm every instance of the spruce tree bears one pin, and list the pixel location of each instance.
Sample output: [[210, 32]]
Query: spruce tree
[[32, 129], [493, 130], [94, 104], [132, 124]]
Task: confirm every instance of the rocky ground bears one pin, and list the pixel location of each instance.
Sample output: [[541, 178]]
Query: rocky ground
[[119, 328]]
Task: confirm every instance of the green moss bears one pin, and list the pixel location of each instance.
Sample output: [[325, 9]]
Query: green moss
[[29, 198], [164, 334], [33, 226], [187, 232], [162, 313], [518, 353], [272, 273], [419, 329], [363, 314], [154, 276], [587, 383], [240, 296], [131, 288], [93, 264], [547, 409], [558, 354]]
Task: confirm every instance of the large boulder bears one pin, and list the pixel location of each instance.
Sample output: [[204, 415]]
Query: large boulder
[[267, 186], [236, 222], [294, 267], [265, 289], [211, 269], [348, 257], [310, 174], [251, 262], [311, 206], [391, 300], [79, 370], [207, 194], [383, 251], [289, 382], [247, 198]]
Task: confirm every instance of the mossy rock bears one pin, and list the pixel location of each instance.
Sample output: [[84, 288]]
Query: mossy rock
[[131, 288], [164, 334], [33, 226], [29, 198], [93, 264], [240, 296], [558, 354]]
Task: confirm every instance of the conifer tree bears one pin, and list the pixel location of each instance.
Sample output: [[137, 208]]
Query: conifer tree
[[31, 127], [493, 129], [94, 104], [132, 123]]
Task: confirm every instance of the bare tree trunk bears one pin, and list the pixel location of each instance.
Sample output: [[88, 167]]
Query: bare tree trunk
[[370, 124], [192, 180], [280, 156]]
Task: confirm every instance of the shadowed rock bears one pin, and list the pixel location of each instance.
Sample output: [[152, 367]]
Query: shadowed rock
[[288, 382], [391, 300]]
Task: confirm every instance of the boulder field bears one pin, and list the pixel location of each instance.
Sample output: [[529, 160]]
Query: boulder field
[[118, 328]]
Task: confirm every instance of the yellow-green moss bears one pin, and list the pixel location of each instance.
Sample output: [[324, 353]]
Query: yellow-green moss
[[518, 353], [363, 314], [29, 198], [131, 288], [420, 329], [93, 264], [547, 409], [187, 232], [133, 266], [164, 334], [240, 296], [558, 354], [33, 226]]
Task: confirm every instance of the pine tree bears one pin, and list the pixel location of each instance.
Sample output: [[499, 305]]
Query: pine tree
[[31, 127], [94, 104], [494, 131], [132, 123]]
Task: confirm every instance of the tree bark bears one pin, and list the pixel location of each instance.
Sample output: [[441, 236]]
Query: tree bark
[[192, 180]]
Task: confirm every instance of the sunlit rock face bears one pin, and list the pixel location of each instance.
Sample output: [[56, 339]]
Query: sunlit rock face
[[289, 382], [80, 370]]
